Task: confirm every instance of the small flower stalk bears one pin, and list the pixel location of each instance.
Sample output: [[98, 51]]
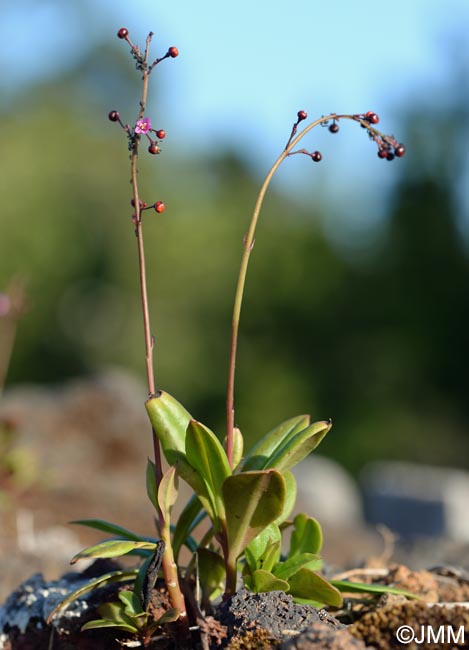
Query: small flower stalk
[[247, 496]]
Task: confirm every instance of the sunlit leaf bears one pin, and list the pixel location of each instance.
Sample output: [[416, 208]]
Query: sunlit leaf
[[253, 500], [132, 605], [264, 449], [312, 586], [286, 569], [168, 492], [262, 580], [169, 420], [193, 478], [108, 527], [263, 552], [297, 447], [112, 548], [99, 623], [306, 536], [290, 498], [360, 587], [95, 583]]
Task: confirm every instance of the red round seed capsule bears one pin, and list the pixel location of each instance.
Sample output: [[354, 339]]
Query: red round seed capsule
[[372, 117], [159, 206], [334, 127], [302, 115], [113, 116], [161, 134], [173, 52], [383, 153], [399, 150], [123, 32], [316, 156], [154, 148], [390, 156]]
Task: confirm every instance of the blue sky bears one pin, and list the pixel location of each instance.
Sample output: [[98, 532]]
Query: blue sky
[[246, 67]]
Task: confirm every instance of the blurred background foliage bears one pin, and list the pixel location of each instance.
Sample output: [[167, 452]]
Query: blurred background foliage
[[374, 335]]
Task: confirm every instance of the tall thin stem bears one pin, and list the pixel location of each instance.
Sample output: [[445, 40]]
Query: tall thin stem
[[168, 564], [248, 246]]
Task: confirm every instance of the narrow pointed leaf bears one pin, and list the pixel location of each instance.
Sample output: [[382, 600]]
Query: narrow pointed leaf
[[265, 448], [358, 587], [306, 536], [169, 420], [262, 581], [108, 527], [289, 567], [312, 586], [193, 478], [299, 446], [205, 453], [253, 500], [95, 583], [152, 490], [168, 492], [112, 548]]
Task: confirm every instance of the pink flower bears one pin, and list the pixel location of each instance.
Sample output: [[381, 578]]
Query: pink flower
[[143, 125]]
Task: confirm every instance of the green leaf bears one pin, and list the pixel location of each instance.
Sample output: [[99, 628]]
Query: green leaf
[[289, 567], [193, 478], [152, 490], [102, 581], [264, 449], [238, 446], [169, 616], [108, 527], [306, 536], [205, 453], [297, 447], [262, 580], [290, 499], [253, 500], [263, 552], [112, 548], [211, 573], [310, 585], [168, 492], [169, 420], [360, 587], [101, 622], [189, 518], [132, 604]]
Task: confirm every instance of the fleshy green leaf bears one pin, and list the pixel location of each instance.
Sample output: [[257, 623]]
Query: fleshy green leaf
[[289, 567], [108, 527], [112, 548], [262, 580], [360, 587], [205, 453], [169, 616], [267, 445], [211, 572], [310, 585], [132, 604], [263, 552], [253, 500], [168, 492], [169, 419], [290, 498], [193, 478], [238, 446], [306, 536], [297, 447], [102, 581]]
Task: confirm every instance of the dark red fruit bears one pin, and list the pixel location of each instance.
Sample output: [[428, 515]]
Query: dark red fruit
[[160, 206], [161, 134], [113, 116], [302, 115], [390, 156], [123, 32], [173, 52], [316, 156], [334, 127], [154, 148], [371, 117], [399, 150], [383, 153]]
